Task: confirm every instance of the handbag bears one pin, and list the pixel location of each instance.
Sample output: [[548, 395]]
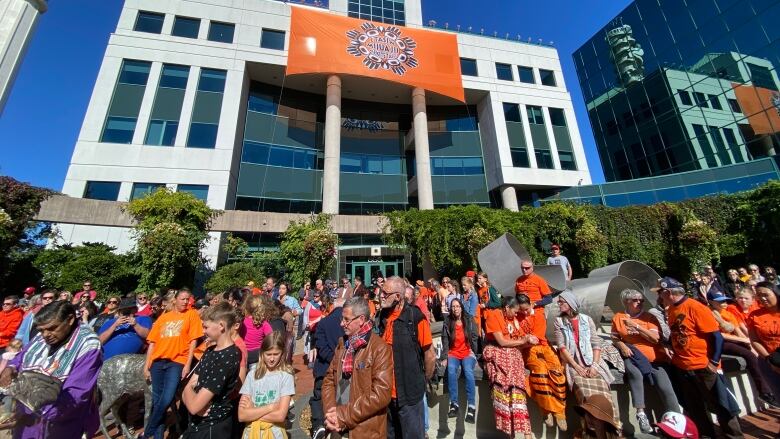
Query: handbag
[[35, 390]]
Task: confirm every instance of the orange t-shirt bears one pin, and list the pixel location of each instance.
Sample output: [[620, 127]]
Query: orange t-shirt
[[495, 321], [460, 346], [729, 318], [632, 336], [172, 334], [766, 325], [532, 286], [690, 322], [535, 324], [423, 335], [741, 316]]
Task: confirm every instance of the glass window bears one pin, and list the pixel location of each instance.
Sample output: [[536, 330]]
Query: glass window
[[512, 113], [256, 153], [520, 158], [720, 147], [567, 160], [134, 72], [543, 158], [202, 135], [685, 97], [391, 165], [504, 71], [143, 189], [701, 99], [119, 130], [526, 74], [200, 191], [715, 102], [221, 32], [468, 67], [535, 115], [161, 132], [186, 27], [706, 146], [281, 156], [102, 190], [557, 117], [262, 103], [761, 76], [174, 76], [734, 105], [351, 163], [151, 22], [212, 80], [272, 39], [731, 140], [547, 77]]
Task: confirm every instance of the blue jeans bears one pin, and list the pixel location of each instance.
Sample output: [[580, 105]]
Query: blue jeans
[[166, 376], [468, 364]]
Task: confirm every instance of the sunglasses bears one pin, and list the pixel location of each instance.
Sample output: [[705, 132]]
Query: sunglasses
[[47, 298], [141, 298], [8, 304], [637, 300], [113, 301], [526, 268]]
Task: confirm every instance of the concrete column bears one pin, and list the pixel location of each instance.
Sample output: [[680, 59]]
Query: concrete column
[[330, 176], [509, 198], [421, 151]]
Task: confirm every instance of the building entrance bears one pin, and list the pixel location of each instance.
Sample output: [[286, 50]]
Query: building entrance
[[367, 268]]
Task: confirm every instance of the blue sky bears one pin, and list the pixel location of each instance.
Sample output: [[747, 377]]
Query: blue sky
[[43, 115]]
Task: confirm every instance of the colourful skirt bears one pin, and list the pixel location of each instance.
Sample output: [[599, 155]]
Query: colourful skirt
[[506, 371]]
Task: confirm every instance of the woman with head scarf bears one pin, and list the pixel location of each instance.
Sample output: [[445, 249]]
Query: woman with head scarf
[[580, 349], [63, 362]]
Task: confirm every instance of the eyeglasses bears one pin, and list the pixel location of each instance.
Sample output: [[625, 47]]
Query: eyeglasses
[[8, 304], [47, 298], [526, 268], [386, 294], [87, 285], [141, 297], [637, 300], [348, 321], [113, 301]]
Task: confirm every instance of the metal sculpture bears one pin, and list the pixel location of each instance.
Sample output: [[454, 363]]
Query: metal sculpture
[[501, 261], [120, 379]]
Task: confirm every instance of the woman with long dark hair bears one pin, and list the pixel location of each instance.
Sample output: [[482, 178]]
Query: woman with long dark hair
[[459, 347], [764, 330]]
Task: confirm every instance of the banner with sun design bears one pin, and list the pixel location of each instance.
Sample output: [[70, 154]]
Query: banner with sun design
[[323, 42]]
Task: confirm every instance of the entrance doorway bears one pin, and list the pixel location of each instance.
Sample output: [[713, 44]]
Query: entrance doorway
[[367, 268]]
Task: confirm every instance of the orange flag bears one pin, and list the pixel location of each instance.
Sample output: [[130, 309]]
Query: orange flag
[[322, 42]]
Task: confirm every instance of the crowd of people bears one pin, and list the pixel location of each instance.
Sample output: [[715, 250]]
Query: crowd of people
[[223, 361]]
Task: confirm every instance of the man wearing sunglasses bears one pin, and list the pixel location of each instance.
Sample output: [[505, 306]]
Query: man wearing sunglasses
[[125, 331], [533, 285], [86, 289], [10, 320]]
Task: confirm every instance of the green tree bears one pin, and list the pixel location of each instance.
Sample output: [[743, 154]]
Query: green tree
[[20, 237], [67, 267], [171, 231], [308, 249], [235, 274]]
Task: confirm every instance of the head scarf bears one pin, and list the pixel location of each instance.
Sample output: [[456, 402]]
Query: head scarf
[[571, 299]]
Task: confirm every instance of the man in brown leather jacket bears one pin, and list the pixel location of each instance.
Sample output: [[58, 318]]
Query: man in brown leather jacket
[[356, 389]]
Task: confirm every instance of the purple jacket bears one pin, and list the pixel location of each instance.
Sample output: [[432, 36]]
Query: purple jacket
[[75, 413]]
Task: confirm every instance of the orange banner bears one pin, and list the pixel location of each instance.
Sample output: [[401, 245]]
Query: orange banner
[[322, 42], [761, 106]]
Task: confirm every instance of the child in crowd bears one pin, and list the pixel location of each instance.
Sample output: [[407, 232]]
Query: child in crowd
[[207, 393], [13, 348], [267, 391]]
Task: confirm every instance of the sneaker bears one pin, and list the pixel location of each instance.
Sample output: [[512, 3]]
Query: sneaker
[[644, 423], [562, 424], [549, 421], [453, 413], [471, 415], [321, 433]]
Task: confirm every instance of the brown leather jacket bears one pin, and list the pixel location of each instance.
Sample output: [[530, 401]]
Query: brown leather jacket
[[369, 394]]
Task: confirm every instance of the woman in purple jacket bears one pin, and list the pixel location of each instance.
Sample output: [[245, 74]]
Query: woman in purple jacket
[[68, 351]]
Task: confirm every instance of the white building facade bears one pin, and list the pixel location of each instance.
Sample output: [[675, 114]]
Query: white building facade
[[193, 95], [18, 19]]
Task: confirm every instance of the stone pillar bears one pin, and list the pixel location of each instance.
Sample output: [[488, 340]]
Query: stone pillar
[[330, 175], [421, 151], [509, 198]]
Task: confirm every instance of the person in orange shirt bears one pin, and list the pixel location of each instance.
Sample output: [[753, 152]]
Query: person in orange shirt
[[636, 334], [745, 304], [697, 344], [547, 382], [10, 319], [533, 285], [505, 368], [764, 330], [408, 332], [172, 342], [736, 342]]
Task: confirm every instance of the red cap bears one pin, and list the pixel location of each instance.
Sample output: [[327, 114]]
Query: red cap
[[677, 425], [29, 291], [470, 273]]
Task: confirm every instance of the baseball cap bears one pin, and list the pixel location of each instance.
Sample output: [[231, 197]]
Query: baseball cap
[[717, 296], [667, 283], [29, 290], [677, 425]]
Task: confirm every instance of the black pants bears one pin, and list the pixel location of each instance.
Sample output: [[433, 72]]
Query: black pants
[[406, 421], [220, 430], [698, 387], [317, 414], [740, 350]]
